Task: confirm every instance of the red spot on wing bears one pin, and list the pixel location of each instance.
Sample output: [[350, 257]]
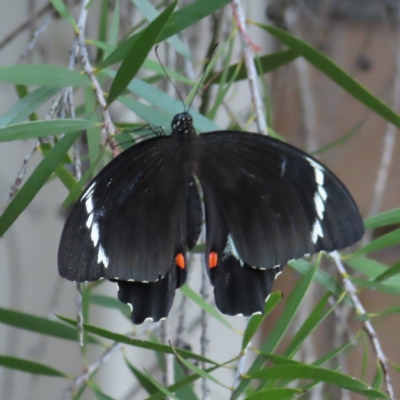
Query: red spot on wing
[[212, 259], [180, 260]]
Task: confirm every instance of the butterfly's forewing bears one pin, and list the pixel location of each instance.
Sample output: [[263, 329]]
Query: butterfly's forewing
[[153, 300], [278, 202], [124, 226]]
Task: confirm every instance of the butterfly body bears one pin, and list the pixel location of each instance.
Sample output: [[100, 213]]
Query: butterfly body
[[266, 203]]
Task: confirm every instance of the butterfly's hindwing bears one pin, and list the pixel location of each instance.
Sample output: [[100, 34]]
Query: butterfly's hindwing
[[239, 289]]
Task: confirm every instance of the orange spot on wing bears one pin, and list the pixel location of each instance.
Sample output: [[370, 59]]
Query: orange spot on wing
[[180, 261], [212, 259]]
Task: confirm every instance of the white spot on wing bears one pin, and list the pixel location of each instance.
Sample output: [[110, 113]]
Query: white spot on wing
[[316, 231], [149, 319], [319, 205], [90, 220], [239, 315], [322, 193], [230, 250], [95, 233], [130, 306], [89, 204], [102, 257]]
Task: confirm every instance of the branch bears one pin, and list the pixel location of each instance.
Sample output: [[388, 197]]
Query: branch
[[249, 49], [369, 329]]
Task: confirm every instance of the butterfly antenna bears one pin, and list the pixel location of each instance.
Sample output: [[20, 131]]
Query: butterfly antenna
[[203, 74], [170, 80]]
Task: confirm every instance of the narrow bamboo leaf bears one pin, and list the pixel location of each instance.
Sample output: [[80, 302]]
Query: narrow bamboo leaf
[[114, 27], [321, 277], [292, 304], [310, 324], [138, 53], [267, 63], [110, 302], [178, 385], [186, 392], [42, 75], [380, 287], [257, 320], [378, 380], [27, 105], [117, 337], [44, 326], [160, 386], [382, 242], [372, 268], [393, 270], [199, 371], [36, 129], [146, 383], [62, 9], [341, 140], [29, 366], [100, 395], [188, 292], [304, 371], [335, 73], [103, 26], [385, 218], [165, 102], [35, 182], [275, 394], [392, 310], [150, 13], [179, 21]]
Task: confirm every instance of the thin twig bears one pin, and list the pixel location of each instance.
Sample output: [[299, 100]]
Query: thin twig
[[109, 126], [204, 341], [240, 366], [370, 330], [260, 115]]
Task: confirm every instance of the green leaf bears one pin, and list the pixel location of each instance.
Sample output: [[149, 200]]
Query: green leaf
[[160, 386], [382, 242], [274, 338], [199, 371], [321, 277], [42, 75], [23, 108], [188, 292], [267, 63], [37, 129], [393, 270], [138, 53], [335, 73], [180, 20], [146, 383], [257, 320], [117, 337], [275, 394], [110, 302], [304, 371], [40, 325], [29, 366], [150, 13], [309, 325], [64, 12], [100, 395], [35, 182], [385, 218], [380, 287], [179, 385], [186, 392]]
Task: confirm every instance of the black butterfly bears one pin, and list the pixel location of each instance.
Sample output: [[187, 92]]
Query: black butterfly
[[266, 202]]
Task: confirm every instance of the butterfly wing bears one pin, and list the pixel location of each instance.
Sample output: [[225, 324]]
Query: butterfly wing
[[153, 300], [278, 202], [125, 225]]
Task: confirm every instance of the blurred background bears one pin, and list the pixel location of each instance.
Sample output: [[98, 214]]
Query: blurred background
[[308, 110]]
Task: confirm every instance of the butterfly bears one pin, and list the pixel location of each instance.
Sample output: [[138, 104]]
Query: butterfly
[[266, 202]]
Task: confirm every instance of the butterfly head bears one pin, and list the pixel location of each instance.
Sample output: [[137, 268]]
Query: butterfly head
[[182, 124]]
